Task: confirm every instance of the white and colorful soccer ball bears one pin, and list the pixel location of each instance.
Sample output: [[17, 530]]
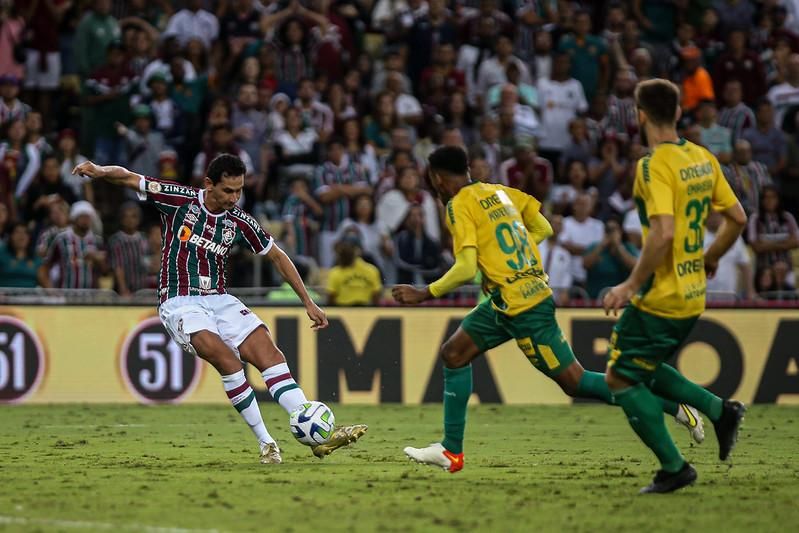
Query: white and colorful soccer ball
[[312, 423]]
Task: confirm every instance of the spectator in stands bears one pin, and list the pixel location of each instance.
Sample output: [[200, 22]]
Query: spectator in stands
[[47, 188], [67, 150], [525, 120], [527, 171], [493, 71], [767, 141], [251, 128], [580, 230], [12, 26], [609, 261], [142, 144], [352, 281], [392, 63], [21, 163], [773, 234], [193, 22], [334, 186], [608, 169], [19, 266], [773, 284], [170, 53], [300, 226], [57, 221], [381, 122], [488, 144], [556, 262], [77, 251], [433, 28], [564, 195], [738, 63], [562, 99], [129, 250], [786, 94], [166, 112], [11, 107], [360, 152], [375, 242], [747, 177], [296, 147], [696, 82], [417, 257], [5, 223], [408, 108], [733, 276], [393, 207], [580, 147], [96, 31], [589, 55], [315, 114], [622, 116], [221, 141], [735, 115], [108, 93], [717, 139]]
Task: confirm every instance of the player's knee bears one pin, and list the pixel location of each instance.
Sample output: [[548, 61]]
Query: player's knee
[[451, 356]]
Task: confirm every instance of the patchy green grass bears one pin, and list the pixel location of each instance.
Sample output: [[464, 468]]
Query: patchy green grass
[[529, 468]]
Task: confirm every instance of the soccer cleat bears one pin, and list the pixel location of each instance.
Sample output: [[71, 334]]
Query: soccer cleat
[[342, 436], [690, 418], [270, 454], [669, 482], [727, 426], [436, 455]]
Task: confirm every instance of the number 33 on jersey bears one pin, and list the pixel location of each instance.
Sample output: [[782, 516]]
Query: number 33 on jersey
[[491, 218], [685, 181]]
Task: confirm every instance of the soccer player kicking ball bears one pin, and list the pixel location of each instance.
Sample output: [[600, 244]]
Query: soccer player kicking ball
[[199, 226], [496, 229], [675, 188]]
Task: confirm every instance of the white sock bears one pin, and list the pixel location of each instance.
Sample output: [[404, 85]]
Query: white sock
[[243, 399], [283, 388]]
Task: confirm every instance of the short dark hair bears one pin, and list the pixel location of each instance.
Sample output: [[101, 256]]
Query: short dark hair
[[449, 159], [224, 166], [659, 99]]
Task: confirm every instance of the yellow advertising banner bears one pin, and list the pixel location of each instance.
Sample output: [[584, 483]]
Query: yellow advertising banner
[[56, 354]]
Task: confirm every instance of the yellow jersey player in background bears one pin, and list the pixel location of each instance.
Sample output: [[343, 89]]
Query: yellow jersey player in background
[[675, 189], [496, 229]]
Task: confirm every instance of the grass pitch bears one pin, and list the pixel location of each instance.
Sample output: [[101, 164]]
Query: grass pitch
[[177, 468]]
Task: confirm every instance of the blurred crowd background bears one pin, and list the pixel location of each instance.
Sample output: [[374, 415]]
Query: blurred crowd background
[[334, 106]]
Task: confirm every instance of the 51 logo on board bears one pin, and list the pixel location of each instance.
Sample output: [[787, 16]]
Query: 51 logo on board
[[22, 360], [154, 367]]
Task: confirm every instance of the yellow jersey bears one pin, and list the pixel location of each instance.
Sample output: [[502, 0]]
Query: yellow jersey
[[355, 284], [493, 219], [685, 181]]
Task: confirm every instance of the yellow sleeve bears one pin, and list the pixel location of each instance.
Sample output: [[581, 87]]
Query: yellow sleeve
[[539, 228], [657, 187], [463, 271], [723, 195], [461, 226]]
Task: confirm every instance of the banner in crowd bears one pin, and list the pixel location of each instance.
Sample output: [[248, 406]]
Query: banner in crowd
[[56, 354]]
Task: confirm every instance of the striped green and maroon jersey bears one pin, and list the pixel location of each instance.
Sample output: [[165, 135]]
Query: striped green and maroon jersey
[[196, 242], [68, 250]]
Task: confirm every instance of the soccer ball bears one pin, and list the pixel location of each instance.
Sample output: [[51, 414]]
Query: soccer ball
[[312, 423]]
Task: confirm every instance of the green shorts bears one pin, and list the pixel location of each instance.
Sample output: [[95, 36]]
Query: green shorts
[[641, 342], [536, 332]]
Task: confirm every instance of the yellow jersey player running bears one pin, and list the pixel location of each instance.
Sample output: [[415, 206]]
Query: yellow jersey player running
[[675, 189], [496, 229]]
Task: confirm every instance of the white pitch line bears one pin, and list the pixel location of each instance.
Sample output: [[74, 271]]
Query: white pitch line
[[90, 524], [87, 426]]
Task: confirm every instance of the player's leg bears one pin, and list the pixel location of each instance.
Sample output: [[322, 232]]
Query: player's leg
[[191, 326], [540, 338], [638, 345], [478, 332]]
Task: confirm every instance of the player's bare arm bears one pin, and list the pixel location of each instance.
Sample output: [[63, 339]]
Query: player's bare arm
[[288, 272], [656, 247], [731, 228], [111, 173]]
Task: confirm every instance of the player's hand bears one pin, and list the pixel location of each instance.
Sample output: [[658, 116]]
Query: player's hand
[[409, 295], [89, 169], [616, 298], [317, 316]]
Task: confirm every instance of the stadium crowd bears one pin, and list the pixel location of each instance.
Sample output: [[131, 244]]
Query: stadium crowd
[[334, 105]]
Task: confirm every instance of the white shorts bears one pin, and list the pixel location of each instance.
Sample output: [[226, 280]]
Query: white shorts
[[38, 78], [222, 314]]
